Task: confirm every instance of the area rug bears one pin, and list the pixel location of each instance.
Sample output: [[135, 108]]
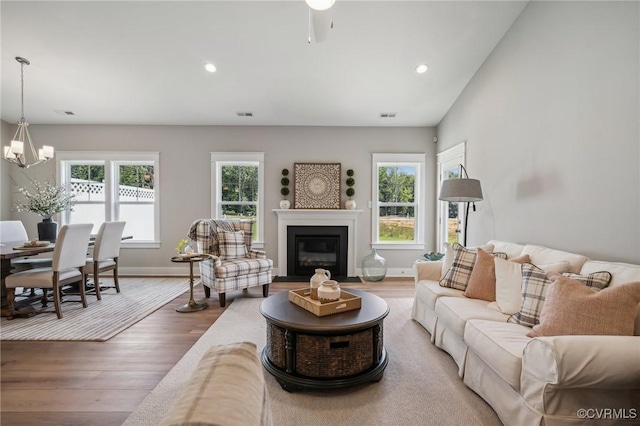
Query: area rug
[[420, 385], [102, 319]]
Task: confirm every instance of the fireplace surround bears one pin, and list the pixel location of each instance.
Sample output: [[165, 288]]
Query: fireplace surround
[[317, 218]]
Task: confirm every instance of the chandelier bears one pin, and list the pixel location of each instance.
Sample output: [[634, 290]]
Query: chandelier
[[15, 153]]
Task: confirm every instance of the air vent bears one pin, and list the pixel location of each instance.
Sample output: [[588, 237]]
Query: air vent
[[387, 115], [245, 114], [61, 112]]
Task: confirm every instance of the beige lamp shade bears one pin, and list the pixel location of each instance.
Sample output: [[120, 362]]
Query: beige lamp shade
[[461, 190]]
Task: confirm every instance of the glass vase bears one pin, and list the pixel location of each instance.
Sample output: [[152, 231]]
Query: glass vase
[[374, 267]]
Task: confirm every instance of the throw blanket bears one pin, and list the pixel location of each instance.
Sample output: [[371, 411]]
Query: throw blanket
[[205, 233]]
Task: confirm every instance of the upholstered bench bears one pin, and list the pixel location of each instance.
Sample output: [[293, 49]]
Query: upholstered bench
[[226, 389]]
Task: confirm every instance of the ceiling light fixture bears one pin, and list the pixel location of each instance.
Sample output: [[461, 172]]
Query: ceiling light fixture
[[15, 153], [210, 68], [421, 69], [320, 4]]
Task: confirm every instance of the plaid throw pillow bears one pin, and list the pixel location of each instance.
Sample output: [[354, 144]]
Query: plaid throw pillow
[[231, 244], [596, 280], [458, 274], [535, 282]]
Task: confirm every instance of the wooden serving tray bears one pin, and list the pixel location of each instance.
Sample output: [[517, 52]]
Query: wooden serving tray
[[347, 302]]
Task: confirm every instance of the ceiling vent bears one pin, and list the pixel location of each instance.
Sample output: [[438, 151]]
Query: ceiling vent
[[61, 112], [387, 115], [245, 114]]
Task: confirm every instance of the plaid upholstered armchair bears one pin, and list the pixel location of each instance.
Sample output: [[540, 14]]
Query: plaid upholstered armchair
[[234, 265]]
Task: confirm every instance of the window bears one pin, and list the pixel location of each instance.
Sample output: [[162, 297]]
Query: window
[[238, 188], [114, 186], [449, 217], [398, 211]]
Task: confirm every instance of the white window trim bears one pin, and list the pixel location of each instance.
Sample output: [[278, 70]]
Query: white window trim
[[415, 159], [446, 159], [230, 158], [110, 159]]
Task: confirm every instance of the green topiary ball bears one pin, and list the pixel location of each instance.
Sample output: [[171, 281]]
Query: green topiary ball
[[284, 191], [351, 182], [285, 172], [350, 192], [284, 181], [350, 172]]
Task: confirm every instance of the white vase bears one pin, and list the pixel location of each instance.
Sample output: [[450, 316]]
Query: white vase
[[315, 281], [329, 291], [285, 204], [350, 204]]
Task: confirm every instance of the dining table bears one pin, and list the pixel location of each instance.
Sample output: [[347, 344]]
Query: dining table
[[17, 249]]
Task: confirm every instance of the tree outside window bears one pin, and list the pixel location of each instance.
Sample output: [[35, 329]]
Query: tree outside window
[[396, 203], [397, 221], [239, 189]]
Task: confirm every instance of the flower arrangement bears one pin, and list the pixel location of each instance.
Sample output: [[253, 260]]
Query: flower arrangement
[[45, 199], [182, 244]]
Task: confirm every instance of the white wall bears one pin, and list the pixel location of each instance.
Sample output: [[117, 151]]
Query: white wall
[[185, 173], [552, 127], [5, 181]]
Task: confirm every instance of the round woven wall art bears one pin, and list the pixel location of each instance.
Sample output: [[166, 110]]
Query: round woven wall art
[[317, 186]]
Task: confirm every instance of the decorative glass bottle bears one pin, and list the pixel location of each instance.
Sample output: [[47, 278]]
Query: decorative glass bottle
[[374, 267]]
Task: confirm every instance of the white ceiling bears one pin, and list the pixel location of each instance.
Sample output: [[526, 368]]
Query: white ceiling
[[125, 62]]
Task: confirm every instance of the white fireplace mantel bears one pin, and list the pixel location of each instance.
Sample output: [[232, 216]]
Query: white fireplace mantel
[[304, 217]]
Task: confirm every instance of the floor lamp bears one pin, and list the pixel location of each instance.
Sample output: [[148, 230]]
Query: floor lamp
[[462, 190]]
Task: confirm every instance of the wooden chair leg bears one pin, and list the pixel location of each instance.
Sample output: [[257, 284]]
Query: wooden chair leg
[[265, 290], [96, 280], [115, 275], [11, 297], [56, 295], [207, 291], [223, 299]]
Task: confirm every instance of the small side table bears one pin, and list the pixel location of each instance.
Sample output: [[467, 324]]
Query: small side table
[[192, 306]]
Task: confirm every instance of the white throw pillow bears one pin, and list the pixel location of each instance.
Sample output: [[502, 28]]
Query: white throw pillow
[[448, 258], [555, 268], [508, 286]]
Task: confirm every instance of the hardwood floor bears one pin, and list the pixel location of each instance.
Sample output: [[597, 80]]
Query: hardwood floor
[[101, 383]]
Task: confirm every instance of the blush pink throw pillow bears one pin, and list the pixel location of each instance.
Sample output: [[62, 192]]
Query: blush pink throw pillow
[[572, 308], [482, 282]]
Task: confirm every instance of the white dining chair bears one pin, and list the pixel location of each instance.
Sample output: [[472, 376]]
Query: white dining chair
[[69, 259], [106, 251], [13, 231]]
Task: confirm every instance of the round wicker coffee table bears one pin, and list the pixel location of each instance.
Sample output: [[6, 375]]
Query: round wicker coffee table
[[304, 351]]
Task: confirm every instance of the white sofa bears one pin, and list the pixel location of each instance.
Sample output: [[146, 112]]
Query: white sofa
[[534, 381]]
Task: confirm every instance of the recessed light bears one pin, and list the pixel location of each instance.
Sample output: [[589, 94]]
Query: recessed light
[[210, 67], [421, 69]]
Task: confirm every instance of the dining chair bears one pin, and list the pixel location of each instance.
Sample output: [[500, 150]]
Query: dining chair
[[69, 259], [13, 231], [106, 251]]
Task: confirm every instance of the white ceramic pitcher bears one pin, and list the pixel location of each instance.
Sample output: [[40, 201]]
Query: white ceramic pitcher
[[316, 280]]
